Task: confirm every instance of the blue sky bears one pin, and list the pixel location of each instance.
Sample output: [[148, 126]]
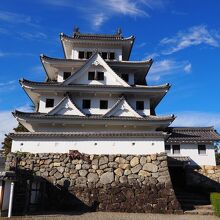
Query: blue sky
[[183, 38]]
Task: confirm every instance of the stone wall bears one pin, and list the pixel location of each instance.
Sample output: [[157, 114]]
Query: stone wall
[[102, 182], [207, 177]]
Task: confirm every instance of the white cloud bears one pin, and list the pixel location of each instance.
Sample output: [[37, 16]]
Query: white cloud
[[8, 122], [188, 68], [194, 36], [168, 67], [196, 118], [98, 19]]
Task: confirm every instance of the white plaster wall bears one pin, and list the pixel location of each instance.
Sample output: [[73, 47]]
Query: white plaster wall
[[146, 111], [95, 103], [118, 52], [191, 150], [42, 103], [91, 146], [108, 78]]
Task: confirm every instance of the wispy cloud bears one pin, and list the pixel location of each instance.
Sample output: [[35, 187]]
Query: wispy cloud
[[143, 44], [194, 36], [37, 69], [15, 18], [97, 12], [8, 86], [197, 118], [33, 36], [6, 54], [167, 67]]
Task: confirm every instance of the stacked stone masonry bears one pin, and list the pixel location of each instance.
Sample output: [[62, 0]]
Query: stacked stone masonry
[[106, 182]]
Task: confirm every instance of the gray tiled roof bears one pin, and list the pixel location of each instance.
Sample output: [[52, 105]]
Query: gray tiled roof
[[28, 82], [90, 134], [97, 36], [192, 134], [35, 115]]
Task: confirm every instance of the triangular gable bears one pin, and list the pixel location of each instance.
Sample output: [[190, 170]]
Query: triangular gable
[[66, 107], [122, 108], [95, 60]]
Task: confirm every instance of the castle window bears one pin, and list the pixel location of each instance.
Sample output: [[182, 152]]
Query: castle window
[[139, 105], [104, 55], [81, 55], [176, 149], [201, 149], [66, 75], [88, 54], [124, 76], [91, 75], [100, 76], [103, 104], [49, 103], [111, 56], [167, 148], [86, 104]]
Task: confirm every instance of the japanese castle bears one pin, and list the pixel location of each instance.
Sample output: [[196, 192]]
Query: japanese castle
[[97, 101]]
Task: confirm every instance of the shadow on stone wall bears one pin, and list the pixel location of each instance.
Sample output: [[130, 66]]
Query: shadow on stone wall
[[50, 199], [85, 183], [206, 180]]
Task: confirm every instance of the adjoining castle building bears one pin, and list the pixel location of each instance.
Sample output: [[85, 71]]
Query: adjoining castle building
[[97, 101]]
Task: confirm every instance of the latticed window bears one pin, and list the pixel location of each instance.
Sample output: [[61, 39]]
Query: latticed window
[[104, 55], [103, 104], [66, 75], [86, 104], [111, 56], [100, 76], [125, 77], [49, 103], [88, 54], [139, 105], [91, 75], [81, 55]]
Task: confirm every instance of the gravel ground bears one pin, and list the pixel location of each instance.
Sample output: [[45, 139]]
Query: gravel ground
[[117, 216]]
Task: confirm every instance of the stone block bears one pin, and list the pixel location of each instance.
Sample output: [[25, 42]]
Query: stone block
[[127, 172], [103, 160], [143, 160], [134, 161], [56, 164], [93, 177], [144, 173], [61, 169], [107, 177], [83, 172], [118, 172], [136, 169], [58, 175], [150, 167], [120, 160]]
